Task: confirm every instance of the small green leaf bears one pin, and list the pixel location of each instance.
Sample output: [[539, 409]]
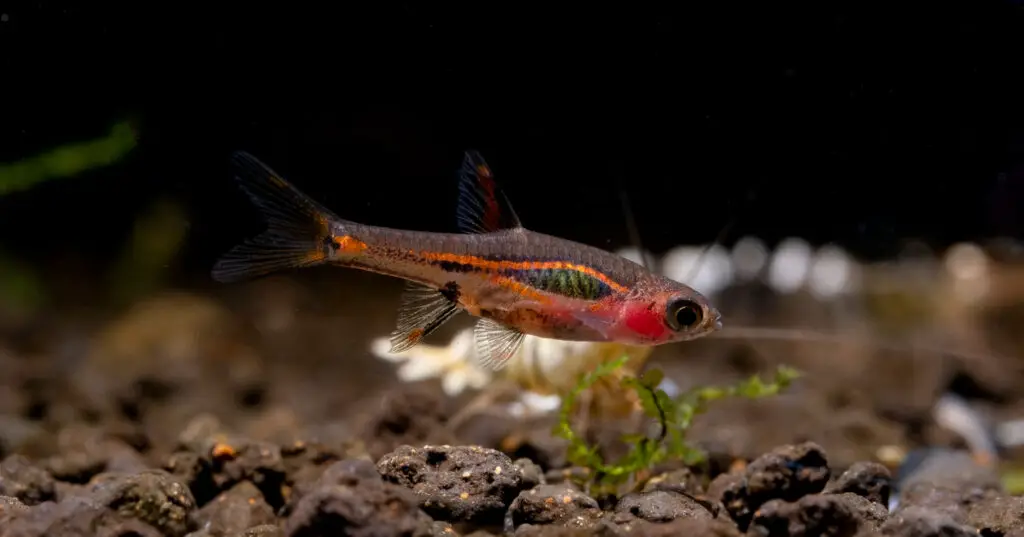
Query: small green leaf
[[652, 378]]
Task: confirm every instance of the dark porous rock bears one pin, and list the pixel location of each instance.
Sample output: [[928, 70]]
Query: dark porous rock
[[680, 480], [85, 452], [662, 506], [348, 473], [232, 512], [954, 502], [263, 530], [948, 468], [552, 505], [532, 473], [10, 508], [73, 516], [456, 483], [20, 479], [257, 462], [410, 415], [146, 504], [365, 511], [196, 472], [75, 467], [530, 530], [304, 462], [997, 514], [786, 473], [831, 515], [129, 528], [19, 435], [538, 445], [680, 527], [442, 529], [870, 480], [923, 522], [152, 496], [567, 476], [212, 461]]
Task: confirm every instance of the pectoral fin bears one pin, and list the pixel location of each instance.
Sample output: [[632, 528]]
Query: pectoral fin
[[496, 343], [423, 310]]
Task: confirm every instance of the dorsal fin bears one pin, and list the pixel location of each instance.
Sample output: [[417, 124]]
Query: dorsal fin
[[634, 231], [482, 206]]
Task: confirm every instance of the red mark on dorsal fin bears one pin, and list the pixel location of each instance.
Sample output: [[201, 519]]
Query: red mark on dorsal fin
[[482, 207], [492, 212]]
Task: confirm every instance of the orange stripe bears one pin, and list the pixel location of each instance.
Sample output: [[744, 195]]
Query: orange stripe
[[487, 264]]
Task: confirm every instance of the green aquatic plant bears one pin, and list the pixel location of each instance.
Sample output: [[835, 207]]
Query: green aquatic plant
[[68, 160], [22, 291], [156, 240], [673, 417]]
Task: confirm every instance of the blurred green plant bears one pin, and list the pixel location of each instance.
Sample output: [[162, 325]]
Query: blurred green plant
[[21, 292], [1012, 478], [673, 416], [157, 237], [68, 160]]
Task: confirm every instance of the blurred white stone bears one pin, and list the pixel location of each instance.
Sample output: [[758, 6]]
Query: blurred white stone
[[789, 265], [953, 413], [454, 363], [1010, 434], [966, 261], [749, 256], [968, 265], [707, 272], [532, 404], [831, 273]]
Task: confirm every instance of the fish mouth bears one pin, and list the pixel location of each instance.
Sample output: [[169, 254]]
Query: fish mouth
[[717, 323]]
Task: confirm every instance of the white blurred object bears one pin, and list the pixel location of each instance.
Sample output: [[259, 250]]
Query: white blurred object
[[530, 403], [707, 272], [832, 273], [1010, 434], [542, 367], [789, 266], [749, 257], [953, 413], [966, 261], [454, 363], [968, 265], [633, 254]]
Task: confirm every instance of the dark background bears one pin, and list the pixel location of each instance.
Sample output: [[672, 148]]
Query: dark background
[[859, 123]]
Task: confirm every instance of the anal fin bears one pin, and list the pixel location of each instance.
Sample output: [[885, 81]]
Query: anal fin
[[422, 311], [496, 343]]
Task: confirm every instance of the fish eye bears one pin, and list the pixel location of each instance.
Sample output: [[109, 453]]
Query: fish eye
[[682, 314]]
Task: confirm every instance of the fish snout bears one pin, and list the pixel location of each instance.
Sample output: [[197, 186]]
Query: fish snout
[[716, 320]]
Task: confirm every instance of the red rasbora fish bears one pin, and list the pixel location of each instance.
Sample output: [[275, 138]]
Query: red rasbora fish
[[516, 281]]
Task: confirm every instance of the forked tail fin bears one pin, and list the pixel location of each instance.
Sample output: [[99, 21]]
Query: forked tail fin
[[298, 228]]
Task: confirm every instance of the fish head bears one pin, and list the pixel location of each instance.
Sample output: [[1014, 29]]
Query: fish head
[[665, 311]]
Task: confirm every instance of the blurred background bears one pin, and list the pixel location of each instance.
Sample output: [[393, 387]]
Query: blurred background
[[891, 136]]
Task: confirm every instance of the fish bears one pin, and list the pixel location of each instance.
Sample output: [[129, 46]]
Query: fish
[[513, 280]]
